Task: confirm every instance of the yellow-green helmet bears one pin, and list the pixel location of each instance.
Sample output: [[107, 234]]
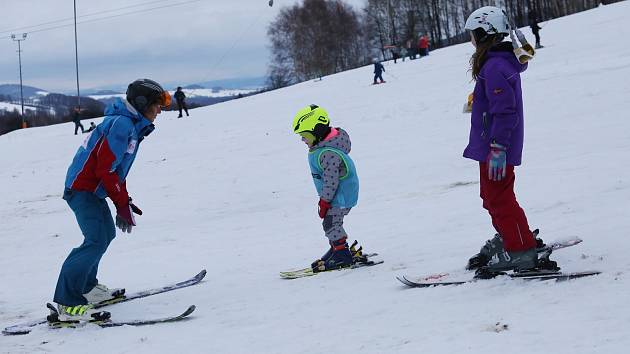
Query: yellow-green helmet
[[311, 119]]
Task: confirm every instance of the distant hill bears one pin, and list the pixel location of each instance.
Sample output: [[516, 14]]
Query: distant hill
[[238, 83], [101, 93], [193, 87], [13, 90]]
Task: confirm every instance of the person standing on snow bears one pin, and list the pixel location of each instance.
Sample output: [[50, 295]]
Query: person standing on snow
[[76, 118], [378, 71], [180, 97], [423, 45], [336, 182], [98, 170], [496, 141], [533, 24]]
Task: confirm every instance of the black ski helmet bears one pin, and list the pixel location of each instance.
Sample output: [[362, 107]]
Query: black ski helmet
[[144, 92]]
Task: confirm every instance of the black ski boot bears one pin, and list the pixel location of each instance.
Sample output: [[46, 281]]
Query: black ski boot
[[498, 260], [338, 256], [481, 259]]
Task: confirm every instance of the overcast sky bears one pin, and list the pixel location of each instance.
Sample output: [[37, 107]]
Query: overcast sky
[[199, 40]]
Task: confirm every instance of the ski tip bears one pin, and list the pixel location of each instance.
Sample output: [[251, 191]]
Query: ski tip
[[201, 274], [188, 311], [404, 280], [13, 332]]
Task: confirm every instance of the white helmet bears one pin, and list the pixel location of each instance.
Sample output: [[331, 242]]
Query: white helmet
[[492, 20]]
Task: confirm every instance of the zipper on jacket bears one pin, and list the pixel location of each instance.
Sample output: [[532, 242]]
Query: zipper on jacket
[[484, 124]]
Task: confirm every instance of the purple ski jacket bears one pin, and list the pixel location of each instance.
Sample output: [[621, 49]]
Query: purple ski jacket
[[497, 110]]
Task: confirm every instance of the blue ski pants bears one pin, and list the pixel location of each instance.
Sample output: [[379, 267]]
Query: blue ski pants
[[78, 272]]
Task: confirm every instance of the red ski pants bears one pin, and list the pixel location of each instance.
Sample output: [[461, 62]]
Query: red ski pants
[[507, 216]]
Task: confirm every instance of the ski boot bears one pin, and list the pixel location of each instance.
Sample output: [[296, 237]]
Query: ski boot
[[338, 256], [101, 293], [498, 260], [75, 314], [517, 261], [481, 259]]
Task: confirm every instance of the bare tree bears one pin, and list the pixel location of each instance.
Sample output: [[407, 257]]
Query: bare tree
[[313, 39], [444, 20]]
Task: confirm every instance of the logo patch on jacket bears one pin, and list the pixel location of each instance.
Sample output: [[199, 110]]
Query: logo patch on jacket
[[132, 146], [498, 91]]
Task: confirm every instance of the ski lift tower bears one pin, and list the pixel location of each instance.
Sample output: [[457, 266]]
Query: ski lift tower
[[19, 40]]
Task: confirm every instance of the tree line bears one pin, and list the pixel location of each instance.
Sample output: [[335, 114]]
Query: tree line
[[322, 37], [53, 108]]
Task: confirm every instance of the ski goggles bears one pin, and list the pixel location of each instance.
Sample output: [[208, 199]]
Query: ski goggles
[[164, 99]]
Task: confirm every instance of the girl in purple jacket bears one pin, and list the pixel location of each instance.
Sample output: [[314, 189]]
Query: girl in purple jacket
[[496, 142]]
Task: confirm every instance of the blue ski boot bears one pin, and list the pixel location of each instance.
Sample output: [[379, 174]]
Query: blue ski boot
[[338, 256]]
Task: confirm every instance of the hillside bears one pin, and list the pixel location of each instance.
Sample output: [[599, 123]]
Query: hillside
[[229, 190]]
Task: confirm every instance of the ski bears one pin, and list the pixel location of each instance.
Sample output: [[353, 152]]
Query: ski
[[308, 272], [440, 278], [109, 323], [532, 275], [179, 317], [25, 328], [304, 270], [559, 244]]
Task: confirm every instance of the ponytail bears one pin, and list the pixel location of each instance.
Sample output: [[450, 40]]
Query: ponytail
[[479, 57]]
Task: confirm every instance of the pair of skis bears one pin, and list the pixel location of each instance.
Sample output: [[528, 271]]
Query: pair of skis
[[444, 279], [27, 327], [308, 272], [360, 260]]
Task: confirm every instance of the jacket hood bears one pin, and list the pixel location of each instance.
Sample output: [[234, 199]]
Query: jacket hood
[[120, 107], [504, 50], [340, 141]]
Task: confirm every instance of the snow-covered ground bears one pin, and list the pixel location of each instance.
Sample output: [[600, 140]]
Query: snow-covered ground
[[229, 190], [6, 106]]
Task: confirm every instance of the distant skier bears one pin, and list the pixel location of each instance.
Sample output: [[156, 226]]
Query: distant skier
[[76, 118], [423, 45], [533, 24], [98, 171], [411, 51], [336, 182], [378, 71], [180, 97], [496, 141], [395, 53]]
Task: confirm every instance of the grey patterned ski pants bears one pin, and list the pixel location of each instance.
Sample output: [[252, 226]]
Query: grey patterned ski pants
[[333, 224]]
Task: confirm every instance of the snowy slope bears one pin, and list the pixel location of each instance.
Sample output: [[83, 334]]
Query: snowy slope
[[229, 190], [5, 106]]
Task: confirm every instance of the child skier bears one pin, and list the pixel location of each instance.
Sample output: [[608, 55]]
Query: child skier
[[336, 182], [496, 141], [98, 171], [378, 71]]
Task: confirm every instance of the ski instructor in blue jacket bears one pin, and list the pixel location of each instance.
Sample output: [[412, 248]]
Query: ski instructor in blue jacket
[[98, 171]]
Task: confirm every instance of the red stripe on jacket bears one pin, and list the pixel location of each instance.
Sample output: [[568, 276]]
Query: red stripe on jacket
[[97, 170]]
